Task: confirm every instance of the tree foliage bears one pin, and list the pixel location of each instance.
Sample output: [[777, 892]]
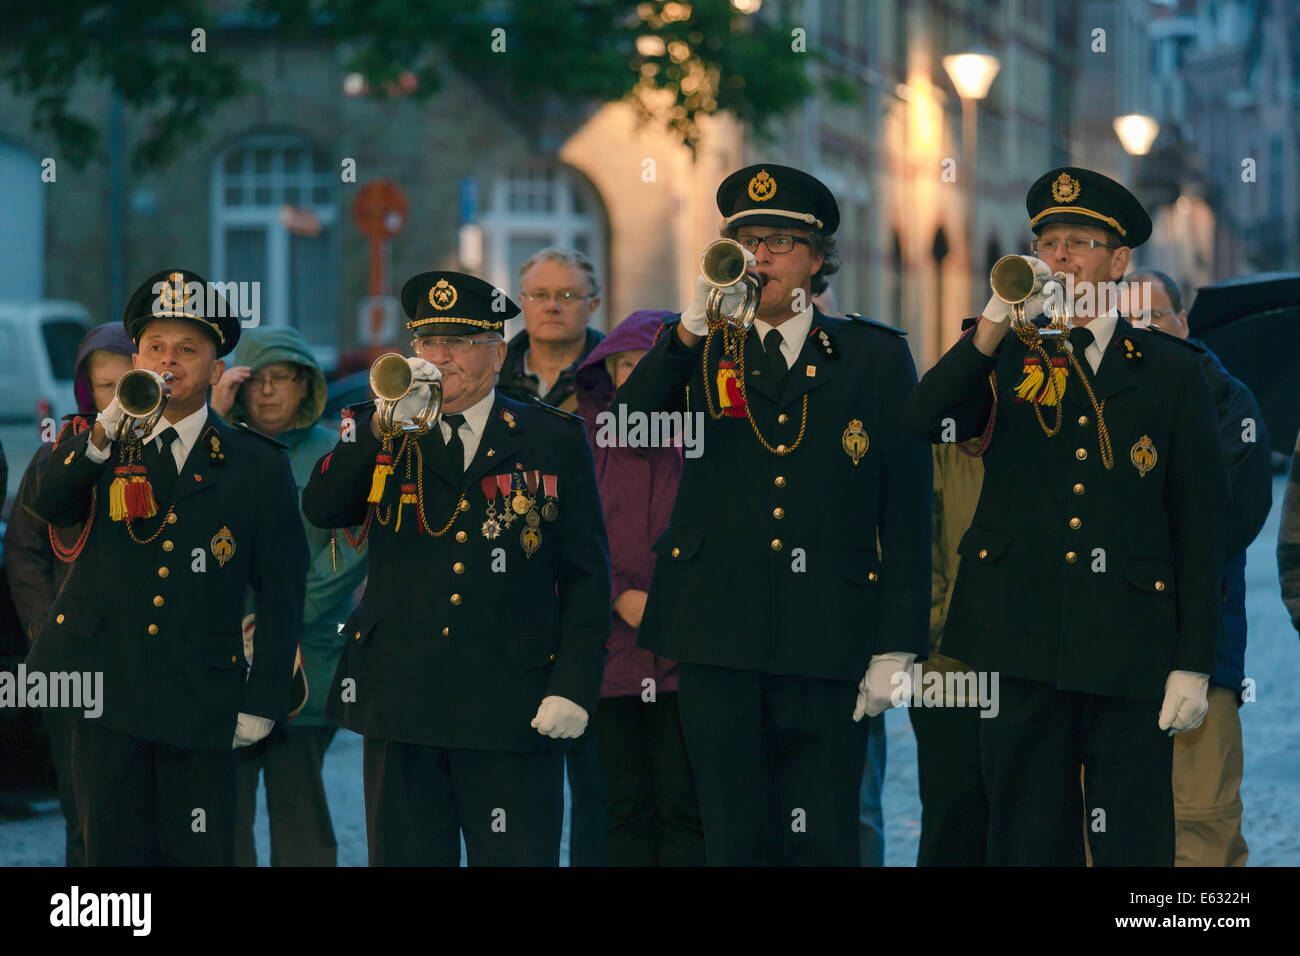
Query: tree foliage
[[675, 61]]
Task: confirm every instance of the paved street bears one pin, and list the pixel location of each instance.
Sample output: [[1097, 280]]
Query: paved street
[[1270, 791]]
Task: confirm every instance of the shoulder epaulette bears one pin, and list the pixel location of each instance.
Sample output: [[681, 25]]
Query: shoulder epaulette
[[256, 434], [559, 412], [859, 318]]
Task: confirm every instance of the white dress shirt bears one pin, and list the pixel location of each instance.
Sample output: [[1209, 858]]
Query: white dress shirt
[[188, 430], [1103, 330], [793, 332], [471, 432]]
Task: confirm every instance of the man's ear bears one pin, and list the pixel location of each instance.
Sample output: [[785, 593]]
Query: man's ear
[[218, 369], [499, 361], [1119, 263], [135, 359]]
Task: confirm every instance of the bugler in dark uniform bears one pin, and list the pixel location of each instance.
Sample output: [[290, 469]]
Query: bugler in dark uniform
[[155, 598], [799, 545], [478, 646], [1090, 574]]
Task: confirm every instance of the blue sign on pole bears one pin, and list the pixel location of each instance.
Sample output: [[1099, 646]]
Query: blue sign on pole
[[468, 200]]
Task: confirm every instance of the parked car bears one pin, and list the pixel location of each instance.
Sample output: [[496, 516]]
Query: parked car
[[38, 350]]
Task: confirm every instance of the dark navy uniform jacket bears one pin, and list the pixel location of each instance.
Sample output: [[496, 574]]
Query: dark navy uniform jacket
[[458, 638], [805, 564], [1094, 580], [166, 635]]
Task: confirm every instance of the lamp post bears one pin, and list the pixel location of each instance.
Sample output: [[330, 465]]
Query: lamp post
[[972, 74], [1136, 133]]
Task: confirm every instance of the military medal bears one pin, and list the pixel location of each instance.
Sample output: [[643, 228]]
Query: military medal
[[491, 527], [530, 539], [550, 508], [223, 546], [1143, 455], [854, 441], [505, 517], [519, 504]]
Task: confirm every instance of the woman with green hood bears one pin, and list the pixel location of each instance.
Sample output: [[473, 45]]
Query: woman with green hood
[[275, 387]]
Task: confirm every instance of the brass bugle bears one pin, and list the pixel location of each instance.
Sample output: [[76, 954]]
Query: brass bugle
[[724, 266], [143, 396], [391, 380], [1016, 279]]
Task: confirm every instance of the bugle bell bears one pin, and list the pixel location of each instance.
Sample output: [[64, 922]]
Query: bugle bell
[[143, 396], [1017, 279], [724, 265], [391, 380]]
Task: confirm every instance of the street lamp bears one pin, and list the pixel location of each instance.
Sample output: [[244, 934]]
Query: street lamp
[[1136, 132], [972, 74]]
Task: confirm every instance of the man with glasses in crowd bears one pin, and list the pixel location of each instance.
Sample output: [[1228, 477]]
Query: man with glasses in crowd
[[559, 291], [1090, 574], [475, 655], [797, 559]]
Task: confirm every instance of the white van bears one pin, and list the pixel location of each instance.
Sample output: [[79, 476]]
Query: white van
[[38, 352]]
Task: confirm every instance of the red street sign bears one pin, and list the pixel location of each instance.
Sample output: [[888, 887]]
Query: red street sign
[[380, 210]]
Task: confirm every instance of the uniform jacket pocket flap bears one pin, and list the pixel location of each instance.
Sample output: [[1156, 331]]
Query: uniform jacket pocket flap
[[1154, 576], [359, 625], [862, 567], [536, 649], [982, 545], [225, 651], [78, 620], [678, 543]]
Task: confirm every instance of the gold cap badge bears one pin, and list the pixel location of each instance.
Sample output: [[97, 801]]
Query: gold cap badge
[[1065, 188], [762, 187], [443, 295]]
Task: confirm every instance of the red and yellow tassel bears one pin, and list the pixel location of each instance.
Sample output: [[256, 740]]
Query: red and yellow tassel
[[730, 400], [408, 497], [383, 468], [130, 495], [1035, 388]]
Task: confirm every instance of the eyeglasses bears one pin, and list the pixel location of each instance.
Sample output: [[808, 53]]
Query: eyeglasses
[[277, 379], [455, 344], [563, 297], [778, 244], [1075, 247]]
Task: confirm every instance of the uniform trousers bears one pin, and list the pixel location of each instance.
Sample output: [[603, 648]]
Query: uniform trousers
[[654, 816], [302, 833], [954, 810], [1030, 756], [778, 764], [589, 814], [149, 804], [419, 800], [58, 724]]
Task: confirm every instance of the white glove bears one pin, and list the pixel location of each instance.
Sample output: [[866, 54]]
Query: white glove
[[998, 311], [110, 416], [421, 371], [250, 729], [876, 692], [1186, 701], [559, 717], [693, 318]]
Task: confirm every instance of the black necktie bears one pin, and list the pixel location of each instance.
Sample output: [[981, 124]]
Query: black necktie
[[1080, 339], [160, 464], [775, 360], [455, 448]]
